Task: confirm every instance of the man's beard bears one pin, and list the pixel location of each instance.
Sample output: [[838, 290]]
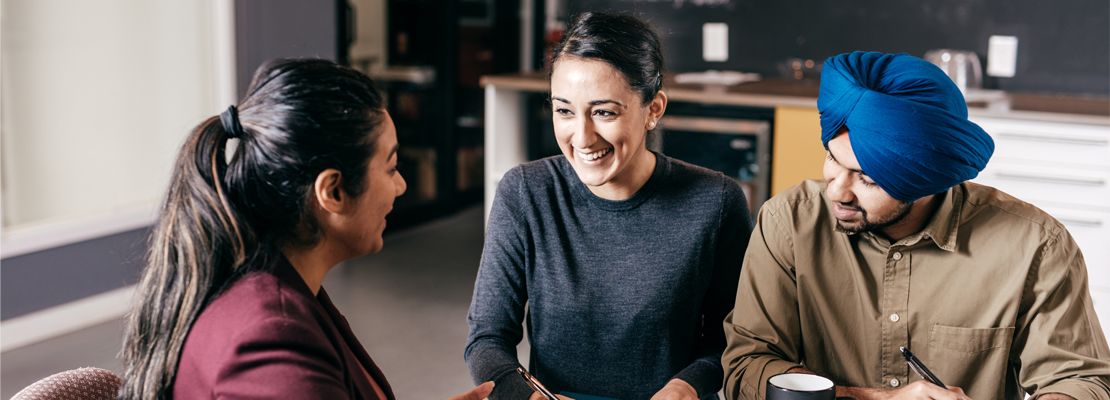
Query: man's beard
[[889, 219]]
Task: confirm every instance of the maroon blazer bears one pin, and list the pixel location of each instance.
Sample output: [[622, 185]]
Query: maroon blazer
[[268, 337]]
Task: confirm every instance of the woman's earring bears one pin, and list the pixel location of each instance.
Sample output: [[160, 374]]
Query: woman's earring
[[651, 125]]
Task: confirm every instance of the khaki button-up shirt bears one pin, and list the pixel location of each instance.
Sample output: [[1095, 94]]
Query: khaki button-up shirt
[[991, 296]]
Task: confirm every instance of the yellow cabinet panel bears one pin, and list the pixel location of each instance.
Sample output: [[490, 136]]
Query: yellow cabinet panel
[[797, 153]]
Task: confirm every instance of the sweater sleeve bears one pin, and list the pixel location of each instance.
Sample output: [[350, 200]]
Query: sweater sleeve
[[705, 372], [497, 310], [763, 330]]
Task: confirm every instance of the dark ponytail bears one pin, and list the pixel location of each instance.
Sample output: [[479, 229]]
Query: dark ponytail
[[628, 44], [220, 219]]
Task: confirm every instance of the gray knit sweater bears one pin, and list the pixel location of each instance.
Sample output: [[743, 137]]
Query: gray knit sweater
[[623, 296]]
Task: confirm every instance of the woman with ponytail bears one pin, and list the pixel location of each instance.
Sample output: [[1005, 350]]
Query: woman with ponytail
[[263, 201]]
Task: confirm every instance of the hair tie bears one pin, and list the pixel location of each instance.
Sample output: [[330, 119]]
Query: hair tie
[[230, 119]]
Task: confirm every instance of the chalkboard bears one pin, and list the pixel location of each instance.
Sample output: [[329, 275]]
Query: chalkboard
[[1064, 46]]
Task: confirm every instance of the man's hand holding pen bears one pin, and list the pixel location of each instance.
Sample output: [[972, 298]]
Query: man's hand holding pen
[[919, 390], [928, 387], [925, 390]]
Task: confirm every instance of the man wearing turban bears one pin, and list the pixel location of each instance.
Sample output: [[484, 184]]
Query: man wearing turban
[[894, 248]]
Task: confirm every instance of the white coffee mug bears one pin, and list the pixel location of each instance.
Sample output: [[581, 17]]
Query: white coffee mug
[[793, 386]]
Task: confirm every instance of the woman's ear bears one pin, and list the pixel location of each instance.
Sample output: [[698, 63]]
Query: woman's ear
[[657, 107], [329, 193]]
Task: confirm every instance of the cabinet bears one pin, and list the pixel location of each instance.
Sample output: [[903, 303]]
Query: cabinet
[[437, 50], [797, 153]]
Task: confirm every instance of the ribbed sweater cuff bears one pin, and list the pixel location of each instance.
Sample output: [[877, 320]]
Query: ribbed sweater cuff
[[510, 386], [704, 375]]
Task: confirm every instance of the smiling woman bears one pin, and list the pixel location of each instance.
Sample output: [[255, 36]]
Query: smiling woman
[[601, 126], [627, 259]]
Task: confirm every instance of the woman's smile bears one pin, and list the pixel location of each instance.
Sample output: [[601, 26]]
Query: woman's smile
[[594, 157]]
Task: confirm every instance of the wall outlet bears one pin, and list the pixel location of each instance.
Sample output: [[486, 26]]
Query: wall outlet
[[1002, 56], [714, 41]]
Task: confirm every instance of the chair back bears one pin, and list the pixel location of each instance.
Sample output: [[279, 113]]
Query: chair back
[[76, 384]]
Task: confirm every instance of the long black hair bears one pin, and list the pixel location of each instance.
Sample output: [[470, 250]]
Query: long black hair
[[224, 214], [628, 44]]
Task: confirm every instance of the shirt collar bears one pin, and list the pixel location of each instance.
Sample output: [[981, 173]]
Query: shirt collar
[[944, 225]]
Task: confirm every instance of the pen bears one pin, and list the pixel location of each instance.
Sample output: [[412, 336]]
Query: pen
[[534, 384], [920, 369]]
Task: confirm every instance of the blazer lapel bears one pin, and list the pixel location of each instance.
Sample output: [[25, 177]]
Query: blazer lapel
[[355, 348], [339, 331]]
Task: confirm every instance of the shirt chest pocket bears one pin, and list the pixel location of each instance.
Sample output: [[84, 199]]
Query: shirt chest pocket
[[974, 359]]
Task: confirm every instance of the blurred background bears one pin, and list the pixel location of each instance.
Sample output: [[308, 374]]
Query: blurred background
[[96, 98]]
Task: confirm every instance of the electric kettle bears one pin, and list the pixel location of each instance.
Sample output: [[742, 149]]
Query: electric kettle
[[960, 65]]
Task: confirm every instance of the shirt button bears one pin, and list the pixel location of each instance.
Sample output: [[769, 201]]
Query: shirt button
[[894, 382], [897, 256], [894, 318]]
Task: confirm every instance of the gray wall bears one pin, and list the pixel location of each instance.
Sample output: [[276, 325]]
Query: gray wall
[[1064, 46], [63, 274], [266, 29]]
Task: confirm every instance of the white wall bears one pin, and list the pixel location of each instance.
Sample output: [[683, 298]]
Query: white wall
[[96, 98], [370, 35]]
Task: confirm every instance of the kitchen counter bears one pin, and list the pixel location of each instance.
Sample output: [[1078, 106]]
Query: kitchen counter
[[776, 92]]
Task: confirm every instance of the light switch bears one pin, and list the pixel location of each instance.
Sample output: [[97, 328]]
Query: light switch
[[1002, 56], [714, 41]]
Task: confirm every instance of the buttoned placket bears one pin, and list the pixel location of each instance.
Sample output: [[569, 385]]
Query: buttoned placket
[[896, 289]]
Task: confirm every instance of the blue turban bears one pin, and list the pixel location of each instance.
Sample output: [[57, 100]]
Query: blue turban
[[908, 122]]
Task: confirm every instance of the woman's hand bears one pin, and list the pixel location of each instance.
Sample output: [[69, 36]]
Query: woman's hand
[[676, 389], [477, 393]]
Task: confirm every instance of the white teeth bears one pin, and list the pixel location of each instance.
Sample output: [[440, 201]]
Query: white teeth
[[595, 155]]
